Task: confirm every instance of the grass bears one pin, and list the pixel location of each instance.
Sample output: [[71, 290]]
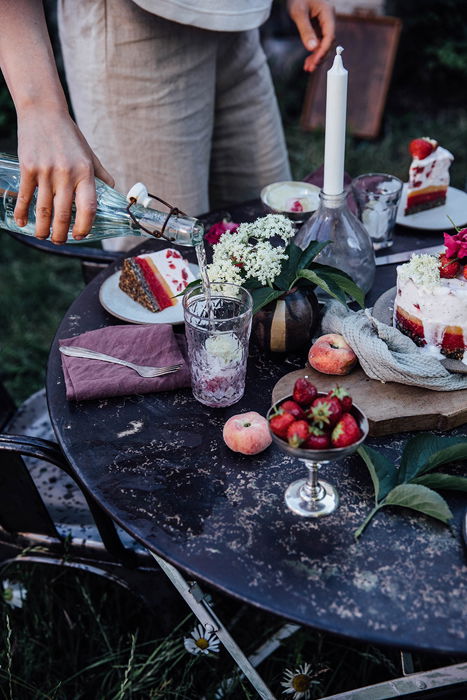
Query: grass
[[78, 637]]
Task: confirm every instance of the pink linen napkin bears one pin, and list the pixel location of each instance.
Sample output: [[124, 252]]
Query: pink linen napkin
[[155, 345]]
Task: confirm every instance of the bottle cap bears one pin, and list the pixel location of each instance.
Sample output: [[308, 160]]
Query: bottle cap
[[139, 193]]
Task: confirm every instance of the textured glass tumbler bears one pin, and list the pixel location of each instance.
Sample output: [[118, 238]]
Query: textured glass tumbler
[[217, 340], [350, 248], [377, 196]]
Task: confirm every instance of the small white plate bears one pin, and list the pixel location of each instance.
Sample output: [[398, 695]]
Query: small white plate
[[122, 306], [437, 218]]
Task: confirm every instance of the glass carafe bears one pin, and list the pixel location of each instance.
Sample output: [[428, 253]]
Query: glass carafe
[[350, 248]]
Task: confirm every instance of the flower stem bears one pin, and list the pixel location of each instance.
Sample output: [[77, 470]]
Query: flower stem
[[373, 512]]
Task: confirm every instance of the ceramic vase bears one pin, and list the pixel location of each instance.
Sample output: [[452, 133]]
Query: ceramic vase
[[287, 324]]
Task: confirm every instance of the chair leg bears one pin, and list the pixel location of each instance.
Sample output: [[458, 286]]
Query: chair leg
[[196, 599]]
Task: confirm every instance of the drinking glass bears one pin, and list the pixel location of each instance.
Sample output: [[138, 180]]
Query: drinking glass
[[377, 196], [217, 330], [311, 497]]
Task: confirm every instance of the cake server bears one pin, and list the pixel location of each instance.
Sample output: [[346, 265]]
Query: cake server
[[407, 254], [142, 370]]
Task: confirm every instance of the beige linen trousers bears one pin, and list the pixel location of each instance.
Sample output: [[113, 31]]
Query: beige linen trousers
[[190, 112]]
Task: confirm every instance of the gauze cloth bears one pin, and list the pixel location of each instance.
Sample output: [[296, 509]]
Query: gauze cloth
[[386, 354]]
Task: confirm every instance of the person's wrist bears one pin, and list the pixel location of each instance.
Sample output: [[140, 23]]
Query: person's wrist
[[33, 103]]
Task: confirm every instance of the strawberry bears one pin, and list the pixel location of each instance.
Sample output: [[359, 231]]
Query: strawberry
[[421, 148], [296, 205], [342, 395], [346, 432], [280, 423], [325, 411], [293, 408], [304, 392], [448, 267], [297, 433], [317, 440]]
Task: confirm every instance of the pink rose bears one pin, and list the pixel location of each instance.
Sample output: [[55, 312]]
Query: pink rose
[[217, 230], [452, 245], [456, 246]]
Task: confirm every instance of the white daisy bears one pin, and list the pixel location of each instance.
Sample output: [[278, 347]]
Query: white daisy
[[201, 642], [298, 682], [14, 594]]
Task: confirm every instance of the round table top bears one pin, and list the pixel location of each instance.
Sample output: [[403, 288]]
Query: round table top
[[158, 465]]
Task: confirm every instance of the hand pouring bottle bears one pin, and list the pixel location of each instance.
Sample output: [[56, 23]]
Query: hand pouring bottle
[[116, 214]]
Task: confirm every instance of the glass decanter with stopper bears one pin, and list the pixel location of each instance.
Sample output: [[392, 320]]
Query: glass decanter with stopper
[[350, 248], [116, 214]]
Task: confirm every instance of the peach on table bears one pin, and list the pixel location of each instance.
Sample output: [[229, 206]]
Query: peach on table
[[331, 354]]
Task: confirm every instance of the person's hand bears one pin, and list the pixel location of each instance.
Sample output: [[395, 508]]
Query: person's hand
[[55, 157], [302, 12]]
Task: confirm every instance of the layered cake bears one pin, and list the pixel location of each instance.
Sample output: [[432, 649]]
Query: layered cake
[[431, 304], [428, 175], [154, 280]]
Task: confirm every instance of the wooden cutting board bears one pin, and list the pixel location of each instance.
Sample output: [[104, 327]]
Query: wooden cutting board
[[390, 408]]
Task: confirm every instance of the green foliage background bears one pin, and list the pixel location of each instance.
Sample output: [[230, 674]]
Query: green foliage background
[[80, 615]]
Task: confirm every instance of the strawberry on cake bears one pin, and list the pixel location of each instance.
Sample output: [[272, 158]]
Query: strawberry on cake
[[431, 299], [428, 175], [154, 280]]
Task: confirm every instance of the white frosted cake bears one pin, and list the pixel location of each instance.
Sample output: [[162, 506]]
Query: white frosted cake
[[430, 308], [154, 280], [428, 175]]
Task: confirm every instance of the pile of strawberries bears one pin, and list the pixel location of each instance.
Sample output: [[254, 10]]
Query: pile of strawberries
[[316, 423]]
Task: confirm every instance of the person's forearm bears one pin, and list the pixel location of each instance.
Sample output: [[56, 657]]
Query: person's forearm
[[26, 56]]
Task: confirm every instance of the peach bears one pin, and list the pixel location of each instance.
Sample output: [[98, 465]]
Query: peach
[[247, 433], [331, 354]]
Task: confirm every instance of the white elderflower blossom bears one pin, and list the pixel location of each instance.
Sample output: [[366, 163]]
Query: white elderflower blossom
[[249, 253], [224, 271]]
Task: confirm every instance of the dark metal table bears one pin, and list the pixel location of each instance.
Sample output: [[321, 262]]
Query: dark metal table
[[158, 465]]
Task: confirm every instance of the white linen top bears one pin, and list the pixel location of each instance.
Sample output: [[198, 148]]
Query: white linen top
[[217, 15]]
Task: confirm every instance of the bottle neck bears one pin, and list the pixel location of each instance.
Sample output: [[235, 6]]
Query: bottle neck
[[181, 230], [333, 201]]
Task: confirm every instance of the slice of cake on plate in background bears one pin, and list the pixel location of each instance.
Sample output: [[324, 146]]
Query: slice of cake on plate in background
[[428, 175], [154, 280], [431, 299]]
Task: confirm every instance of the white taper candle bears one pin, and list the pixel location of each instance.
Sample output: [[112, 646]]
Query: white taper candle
[[336, 112]]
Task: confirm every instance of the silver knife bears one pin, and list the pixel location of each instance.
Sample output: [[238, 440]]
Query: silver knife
[[407, 254]]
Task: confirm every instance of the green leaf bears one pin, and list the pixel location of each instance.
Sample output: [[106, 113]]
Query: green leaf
[[343, 280], [420, 450], [382, 471], [252, 283], [442, 481], [289, 267], [328, 285], [419, 498], [310, 253], [449, 454], [263, 296]]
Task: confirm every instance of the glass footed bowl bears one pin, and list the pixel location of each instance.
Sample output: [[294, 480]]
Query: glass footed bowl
[[276, 196], [311, 497]]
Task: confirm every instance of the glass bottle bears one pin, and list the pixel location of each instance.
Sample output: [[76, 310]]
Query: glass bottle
[[350, 248], [112, 219]]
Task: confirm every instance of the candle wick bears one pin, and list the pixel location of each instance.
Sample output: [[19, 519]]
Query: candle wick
[[339, 50]]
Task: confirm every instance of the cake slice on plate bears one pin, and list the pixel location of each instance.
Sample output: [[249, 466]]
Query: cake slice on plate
[[428, 175], [154, 280]]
